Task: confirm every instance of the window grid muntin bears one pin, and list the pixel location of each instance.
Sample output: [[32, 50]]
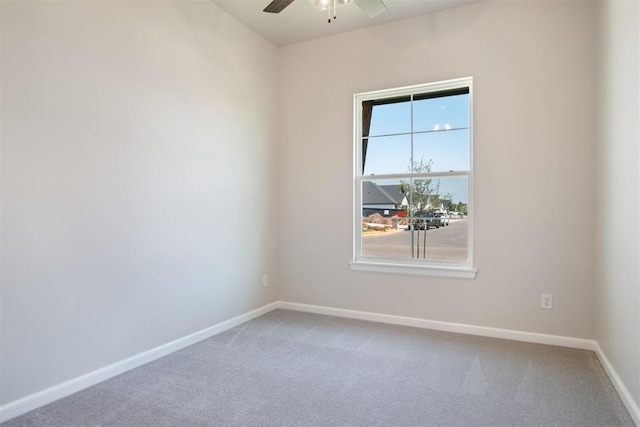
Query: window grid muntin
[[414, 133]]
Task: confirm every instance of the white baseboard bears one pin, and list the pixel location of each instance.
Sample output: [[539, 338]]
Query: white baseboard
[[461, 328], [578, 343], [41, 398], [627, 399], [36, 400]]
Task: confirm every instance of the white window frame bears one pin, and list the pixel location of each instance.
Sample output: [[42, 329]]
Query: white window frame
[[429, 267]]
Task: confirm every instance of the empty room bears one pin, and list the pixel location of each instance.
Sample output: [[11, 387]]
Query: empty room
[[308, 213]]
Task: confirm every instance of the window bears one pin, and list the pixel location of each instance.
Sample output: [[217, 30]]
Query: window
[[413, 180]]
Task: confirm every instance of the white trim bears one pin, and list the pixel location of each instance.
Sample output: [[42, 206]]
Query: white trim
[[483, 331], [578, 343], [625, 396], [424, 270], [408, 90], [399, 176], [41, 398]]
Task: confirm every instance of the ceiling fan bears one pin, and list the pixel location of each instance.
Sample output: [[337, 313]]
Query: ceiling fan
[[371, 8]]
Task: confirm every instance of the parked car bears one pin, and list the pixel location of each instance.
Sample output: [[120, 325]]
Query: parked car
[[443, 218], [425, 221]]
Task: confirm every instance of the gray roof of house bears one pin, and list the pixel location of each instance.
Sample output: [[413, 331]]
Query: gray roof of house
[[373, 194], [394, 192]]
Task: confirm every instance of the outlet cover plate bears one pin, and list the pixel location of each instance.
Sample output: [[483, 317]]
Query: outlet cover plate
[[546, 301]]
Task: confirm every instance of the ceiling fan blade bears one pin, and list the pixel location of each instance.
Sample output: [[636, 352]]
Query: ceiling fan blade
[[276, 6], [371, 8]]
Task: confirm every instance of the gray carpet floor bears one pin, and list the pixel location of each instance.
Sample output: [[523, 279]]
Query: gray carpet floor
[[297, 369]]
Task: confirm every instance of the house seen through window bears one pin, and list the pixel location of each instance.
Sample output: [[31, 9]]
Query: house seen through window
[[413, 178]]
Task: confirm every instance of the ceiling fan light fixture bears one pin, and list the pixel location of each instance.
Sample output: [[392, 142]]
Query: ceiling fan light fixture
[[321, 5], [328, 6], [372, 8]]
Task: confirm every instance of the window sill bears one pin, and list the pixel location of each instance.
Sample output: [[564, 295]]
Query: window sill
[[421, 270]]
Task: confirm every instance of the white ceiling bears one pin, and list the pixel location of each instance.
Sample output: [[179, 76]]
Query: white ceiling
[[301, 21]]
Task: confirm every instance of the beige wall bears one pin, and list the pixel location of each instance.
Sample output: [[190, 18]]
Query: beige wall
[[618, 240], [137, 142], [533, 65]]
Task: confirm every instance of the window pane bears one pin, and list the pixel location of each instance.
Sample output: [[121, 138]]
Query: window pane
[[441, 113], [448, 150], [387, 154], [388, 119], [448, 231], [430, 224], [453, 189], [384, 220]]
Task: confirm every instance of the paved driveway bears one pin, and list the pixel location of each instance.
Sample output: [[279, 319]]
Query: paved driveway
[[448, 242]]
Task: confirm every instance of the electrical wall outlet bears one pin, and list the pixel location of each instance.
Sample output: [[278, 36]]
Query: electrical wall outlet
[[265, 281], [546, 301]]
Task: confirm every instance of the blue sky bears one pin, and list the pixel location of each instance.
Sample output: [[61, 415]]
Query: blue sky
[[445, 122]]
